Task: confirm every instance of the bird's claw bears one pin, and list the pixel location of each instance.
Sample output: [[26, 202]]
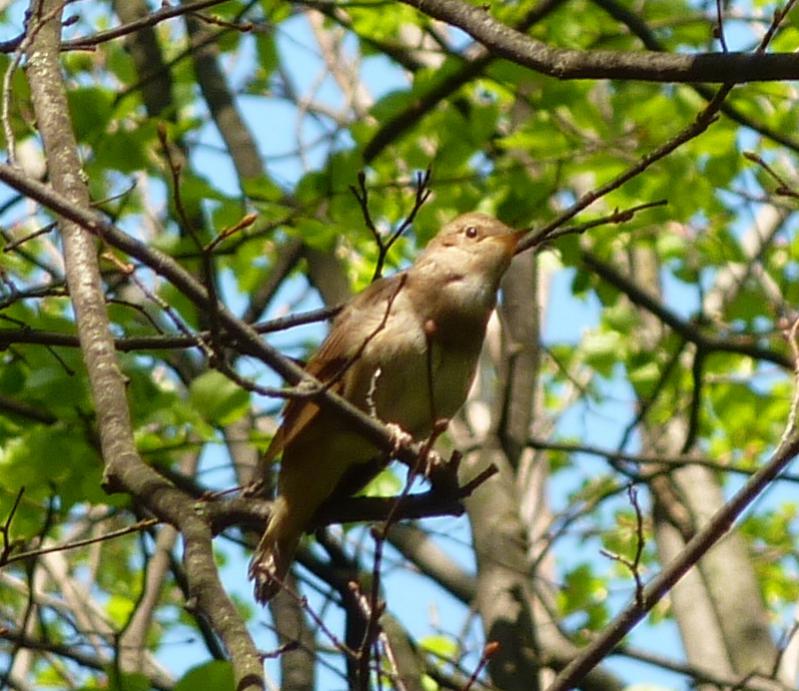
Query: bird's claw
[[399, 437]]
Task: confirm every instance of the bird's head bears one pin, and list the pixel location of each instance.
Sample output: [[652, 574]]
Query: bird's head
[[473, 243]]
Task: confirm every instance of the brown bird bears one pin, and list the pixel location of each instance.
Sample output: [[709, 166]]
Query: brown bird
[[404, 350]]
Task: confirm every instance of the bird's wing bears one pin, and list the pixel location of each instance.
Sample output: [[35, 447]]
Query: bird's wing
[[335, 356]]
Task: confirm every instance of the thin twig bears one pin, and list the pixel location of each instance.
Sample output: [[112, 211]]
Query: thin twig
[[168, 310], [783, 188], [245, 222], [634, 564], [319, 622], [175, 171], [5, 529], [30, 236], [243, 27], [489, 650], [361, 194], [162, 342], [618, 216], [703, 120], [135, 528], [718, 30], [615, 458], [166, 12]]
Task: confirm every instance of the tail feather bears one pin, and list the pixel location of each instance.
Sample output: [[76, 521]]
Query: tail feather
[[273, 555]]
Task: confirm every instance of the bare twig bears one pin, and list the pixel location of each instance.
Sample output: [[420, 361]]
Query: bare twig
[[168, 310], [718, 30], [175, 170], [783, 188], [319, 622], [164, 342], [703, 120], [134, 528], [361, 194], [617, 457], [243, 27], [166, 12], [246, 221], [618, 216], [489, 650], [30, 236], [634, 564], [5, 529]]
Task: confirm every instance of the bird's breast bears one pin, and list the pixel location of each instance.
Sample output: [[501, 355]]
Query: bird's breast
[[413, 371]]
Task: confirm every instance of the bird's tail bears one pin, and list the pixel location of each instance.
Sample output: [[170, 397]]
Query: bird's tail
[[274, 553]]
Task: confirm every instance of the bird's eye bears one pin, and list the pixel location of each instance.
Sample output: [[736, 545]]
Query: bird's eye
[[471, 232]]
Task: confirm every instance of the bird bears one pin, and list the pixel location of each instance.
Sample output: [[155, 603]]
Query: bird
[[404, 350]]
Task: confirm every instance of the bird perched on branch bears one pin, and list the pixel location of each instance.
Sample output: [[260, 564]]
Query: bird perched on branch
[[404, 350]]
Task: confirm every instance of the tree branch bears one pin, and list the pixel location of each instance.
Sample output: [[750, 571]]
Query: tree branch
[[690, 332], [124, 467], [718, 525], [503, 41]]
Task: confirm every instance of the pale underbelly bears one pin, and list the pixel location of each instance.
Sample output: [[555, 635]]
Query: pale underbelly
[[400, 391]]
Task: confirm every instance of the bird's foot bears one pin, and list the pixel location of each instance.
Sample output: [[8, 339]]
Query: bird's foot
[[253, 489], [433, 461], [263, 573], [399, 437], [265, 585]]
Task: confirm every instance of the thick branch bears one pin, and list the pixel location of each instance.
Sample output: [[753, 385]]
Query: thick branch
[[249, 512], [638, 27], [400, 122], [123, 464], [727, 68]]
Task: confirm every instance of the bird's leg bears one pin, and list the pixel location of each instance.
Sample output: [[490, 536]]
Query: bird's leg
[[429, 458]]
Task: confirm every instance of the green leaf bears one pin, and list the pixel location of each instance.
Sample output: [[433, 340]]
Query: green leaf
[[320, 235], [602, 349], [262, 189], [90, 108], [217, 399], [386, 484], [119, 608], [585, 592], [443, 646], [128, 682], [124, 150], [216, 675]]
